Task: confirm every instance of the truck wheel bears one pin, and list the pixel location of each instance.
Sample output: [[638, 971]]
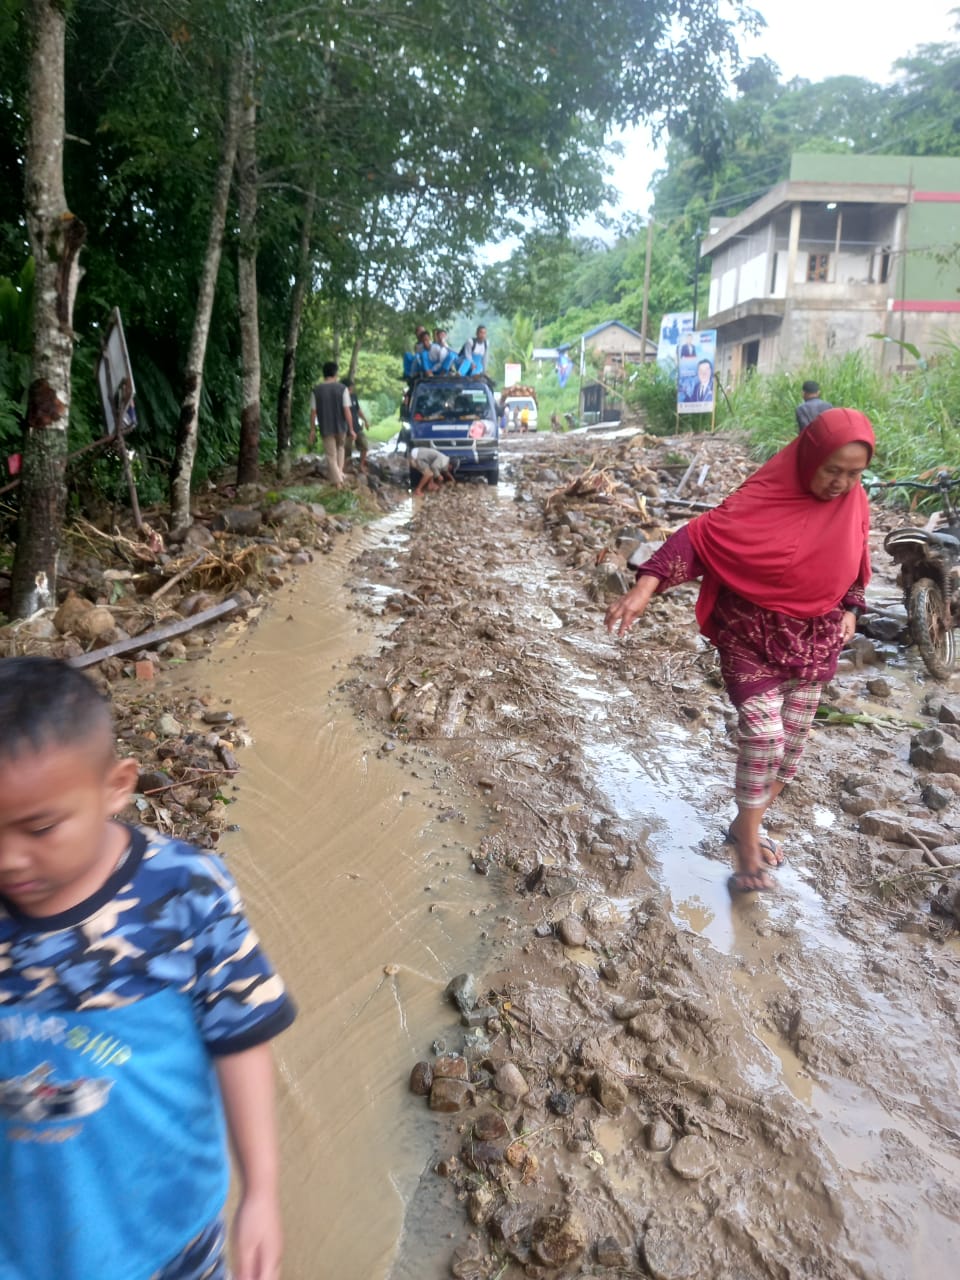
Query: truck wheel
[[932, 628], [493, 475]]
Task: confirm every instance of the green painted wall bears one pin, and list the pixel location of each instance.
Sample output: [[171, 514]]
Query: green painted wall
[[930, 173]]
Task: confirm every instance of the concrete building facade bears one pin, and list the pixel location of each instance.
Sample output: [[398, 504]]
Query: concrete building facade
[[846, 247]]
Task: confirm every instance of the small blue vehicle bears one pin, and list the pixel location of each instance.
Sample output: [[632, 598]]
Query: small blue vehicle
[[458, 416]]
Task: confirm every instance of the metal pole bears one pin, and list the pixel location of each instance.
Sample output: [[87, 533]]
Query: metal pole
[[696, 275]]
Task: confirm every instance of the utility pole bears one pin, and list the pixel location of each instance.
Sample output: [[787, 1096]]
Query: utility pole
[[696, 273], [646, 293]]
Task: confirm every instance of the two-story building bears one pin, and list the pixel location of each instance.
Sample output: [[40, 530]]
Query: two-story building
[[848, 246]]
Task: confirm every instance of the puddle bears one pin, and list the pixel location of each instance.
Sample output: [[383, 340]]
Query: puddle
[[335, 848]]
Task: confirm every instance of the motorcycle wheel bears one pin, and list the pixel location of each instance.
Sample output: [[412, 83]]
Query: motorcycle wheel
[[932, 629]]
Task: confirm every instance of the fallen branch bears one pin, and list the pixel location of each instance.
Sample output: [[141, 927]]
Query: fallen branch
[[148, 638], [178, 577], [187, 782]]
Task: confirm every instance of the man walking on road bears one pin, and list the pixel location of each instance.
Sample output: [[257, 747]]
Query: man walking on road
[[330, 410], [812, 406]]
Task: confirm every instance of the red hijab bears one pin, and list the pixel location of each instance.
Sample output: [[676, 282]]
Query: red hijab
[[772, 542]]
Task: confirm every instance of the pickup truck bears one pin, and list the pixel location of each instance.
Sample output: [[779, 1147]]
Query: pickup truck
[[458, 416]]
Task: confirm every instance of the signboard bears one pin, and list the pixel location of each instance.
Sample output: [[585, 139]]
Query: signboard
[[115, 379], [696, 365], [512, 373], [672, 327]]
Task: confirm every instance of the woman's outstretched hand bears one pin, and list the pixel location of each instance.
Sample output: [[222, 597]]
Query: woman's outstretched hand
[[624, 612], [848, 626]]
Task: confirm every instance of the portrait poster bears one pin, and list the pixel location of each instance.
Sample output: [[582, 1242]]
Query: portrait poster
[[696, 370]]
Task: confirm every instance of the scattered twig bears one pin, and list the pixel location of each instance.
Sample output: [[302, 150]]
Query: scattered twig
[[178, 577], [187, 782], [158, 634]]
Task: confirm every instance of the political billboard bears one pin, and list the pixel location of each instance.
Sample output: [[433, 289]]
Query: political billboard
[[672, 327], [696, 367]]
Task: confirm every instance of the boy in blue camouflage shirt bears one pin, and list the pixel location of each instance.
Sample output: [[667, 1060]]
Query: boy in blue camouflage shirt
[[136, 1010]]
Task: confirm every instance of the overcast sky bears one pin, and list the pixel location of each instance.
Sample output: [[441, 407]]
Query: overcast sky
[[814, 39]]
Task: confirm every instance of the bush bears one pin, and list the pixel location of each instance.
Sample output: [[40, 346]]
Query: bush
[[653, 390]]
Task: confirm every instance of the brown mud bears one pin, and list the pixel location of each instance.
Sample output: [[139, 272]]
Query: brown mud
[[763, 1087]]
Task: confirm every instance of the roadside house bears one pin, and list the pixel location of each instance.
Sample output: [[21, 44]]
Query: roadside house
[[846, 247], [616, 347]]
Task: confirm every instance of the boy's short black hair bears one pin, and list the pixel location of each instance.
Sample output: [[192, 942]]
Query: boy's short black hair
[[811, 388], [47, 703], [330, 369]]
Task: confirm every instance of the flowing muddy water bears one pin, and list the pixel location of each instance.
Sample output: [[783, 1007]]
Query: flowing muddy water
[[352, 864]]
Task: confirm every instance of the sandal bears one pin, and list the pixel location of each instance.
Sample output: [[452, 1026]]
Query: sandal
[[777, 856], [750, 882]]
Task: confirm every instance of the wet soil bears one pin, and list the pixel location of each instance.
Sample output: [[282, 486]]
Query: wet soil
[[805, 1040]]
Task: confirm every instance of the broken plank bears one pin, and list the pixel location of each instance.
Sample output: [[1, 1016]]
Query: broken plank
[[148, 638]]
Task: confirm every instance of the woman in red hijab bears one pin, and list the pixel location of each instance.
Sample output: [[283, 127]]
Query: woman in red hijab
[[784, 563]]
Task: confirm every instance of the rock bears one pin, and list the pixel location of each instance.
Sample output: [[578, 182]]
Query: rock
[[558, 1239], [195, 603], [421, 1079], [948, 854], [648, 1026], [217, 717], [600, 849], [242, 520], [450, 1066], [144, 670], [480, 1205], [949, 713], [610, 1092], [169, 726], [857, 805], [609, 972], [198, 536], [864, 652], [489, 1126], [284, 512], [571, 932], [152, 780], [561, 1102], [934, 751], [543, 930], [449, 1095], [659, 1136], [41, 628], [96, 623], [879, 688], [673, 1255], [902, 830], [70, 611], [508, 1081], [692, 1158], [462, 992], [468, 1262], [936, 798], [883, 628], [609, 1252]]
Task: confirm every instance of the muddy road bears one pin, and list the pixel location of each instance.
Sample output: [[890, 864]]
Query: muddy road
[[455, 769]]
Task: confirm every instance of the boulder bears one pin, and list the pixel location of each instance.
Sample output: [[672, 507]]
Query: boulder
[[449, 1095], [198, 536], [896, 827], [692, 1158], [461, 991], [610, 1092], [242, 520], [509, 1081], [558, 1239], [935, 751]]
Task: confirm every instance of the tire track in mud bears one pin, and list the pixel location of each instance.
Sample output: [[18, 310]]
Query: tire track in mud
[[812, 1046]]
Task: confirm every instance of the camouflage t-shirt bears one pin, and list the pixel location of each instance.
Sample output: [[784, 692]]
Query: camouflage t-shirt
[[113, 1154]]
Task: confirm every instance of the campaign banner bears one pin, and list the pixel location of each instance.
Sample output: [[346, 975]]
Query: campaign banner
[[511, 374], [696, 369], [672, 327]]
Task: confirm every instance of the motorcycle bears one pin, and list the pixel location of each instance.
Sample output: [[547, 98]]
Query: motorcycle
[[929, 560]]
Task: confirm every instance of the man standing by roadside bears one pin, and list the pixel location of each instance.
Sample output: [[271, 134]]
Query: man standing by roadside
[[330, 410], [360, 424], [812, 406]]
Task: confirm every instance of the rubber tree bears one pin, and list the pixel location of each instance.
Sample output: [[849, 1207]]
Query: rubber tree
[[248, 460], [188, 424], [56, 237], [288, 372]]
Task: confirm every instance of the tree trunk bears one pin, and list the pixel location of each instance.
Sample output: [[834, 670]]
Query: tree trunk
[[248, 461], [288, 374], [56, 237], [355, 353], [180, 517]]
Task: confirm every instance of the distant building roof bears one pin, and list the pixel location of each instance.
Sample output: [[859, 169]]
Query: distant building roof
[[609, 324], [546, 353]]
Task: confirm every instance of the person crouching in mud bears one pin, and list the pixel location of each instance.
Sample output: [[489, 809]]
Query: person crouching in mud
[[783, 563]]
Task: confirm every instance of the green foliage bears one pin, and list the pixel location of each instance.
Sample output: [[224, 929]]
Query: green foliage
[[653, 391], [915, 415]]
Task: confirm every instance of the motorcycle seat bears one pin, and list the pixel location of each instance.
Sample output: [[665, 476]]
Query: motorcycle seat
[[946, 540]]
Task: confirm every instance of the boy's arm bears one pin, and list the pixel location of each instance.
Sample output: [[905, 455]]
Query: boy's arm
[[247, 1085]]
